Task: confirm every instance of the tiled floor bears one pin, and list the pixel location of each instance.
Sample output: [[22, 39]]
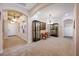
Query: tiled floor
[[50, 47], [13, 41]]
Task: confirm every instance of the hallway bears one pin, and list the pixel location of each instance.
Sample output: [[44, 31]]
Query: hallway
[[13, 41]]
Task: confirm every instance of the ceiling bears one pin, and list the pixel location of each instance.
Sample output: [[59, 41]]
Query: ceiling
[[12, 13], [28, 6], [55, 9], [58, 10]]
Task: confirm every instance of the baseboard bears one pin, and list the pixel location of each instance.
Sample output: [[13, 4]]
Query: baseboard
[[11, 35], [68, 37]]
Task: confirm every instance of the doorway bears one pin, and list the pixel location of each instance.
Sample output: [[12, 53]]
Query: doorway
[[15, 29], [68, 28], [12, 29]]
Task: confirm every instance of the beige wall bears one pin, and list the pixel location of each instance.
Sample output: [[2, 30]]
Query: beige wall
[[1, 34], [1, 37], [77, 29], [20, 24]]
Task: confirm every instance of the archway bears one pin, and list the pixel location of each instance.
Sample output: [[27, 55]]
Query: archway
[[14, 28], [68, 28]]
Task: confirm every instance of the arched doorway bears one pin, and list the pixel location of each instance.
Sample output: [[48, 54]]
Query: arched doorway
[[68, 28], [14, 29]]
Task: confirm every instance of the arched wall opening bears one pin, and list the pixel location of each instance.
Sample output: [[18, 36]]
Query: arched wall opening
[[14, 28], [68, 28]]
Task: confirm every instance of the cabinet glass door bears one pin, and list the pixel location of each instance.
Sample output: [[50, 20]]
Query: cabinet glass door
[[37, 30]]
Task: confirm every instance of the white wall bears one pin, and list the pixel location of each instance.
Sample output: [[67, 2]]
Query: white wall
[[68, 29], [11, 29], [25, 24], [1, 34]]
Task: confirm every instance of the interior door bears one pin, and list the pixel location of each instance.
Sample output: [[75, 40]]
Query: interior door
[[68, 28], [11, 29]]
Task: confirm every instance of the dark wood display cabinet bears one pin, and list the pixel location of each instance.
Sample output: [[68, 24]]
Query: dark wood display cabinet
[[36, 30], [54, 29], [42, 26]]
